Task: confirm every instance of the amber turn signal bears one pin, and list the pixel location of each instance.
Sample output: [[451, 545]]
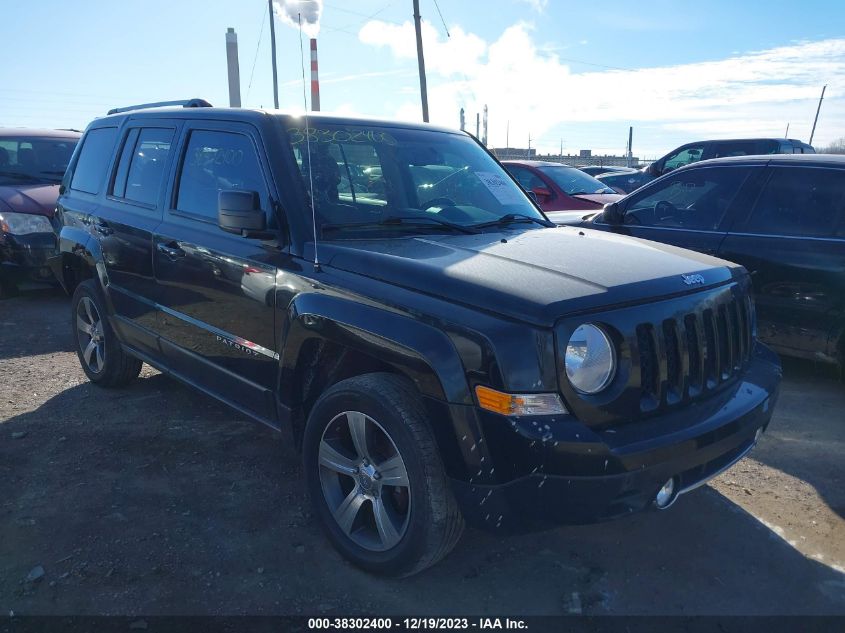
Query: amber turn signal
[[519, 404]]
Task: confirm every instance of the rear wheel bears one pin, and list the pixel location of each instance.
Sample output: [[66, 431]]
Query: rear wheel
[[375, 476], [100, 354]]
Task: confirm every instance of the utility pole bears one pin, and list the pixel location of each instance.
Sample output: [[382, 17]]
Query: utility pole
[[561, 150], [463, 121], [484, 135], [786, 134], [273, 53], [477, 125], [630, 156], [421, 61], [529, 144], [816, 120]]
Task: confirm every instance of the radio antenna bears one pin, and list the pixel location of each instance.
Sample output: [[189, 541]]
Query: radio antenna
[[308, 148]]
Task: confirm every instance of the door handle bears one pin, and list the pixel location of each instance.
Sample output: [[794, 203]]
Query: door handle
[[173, 252]]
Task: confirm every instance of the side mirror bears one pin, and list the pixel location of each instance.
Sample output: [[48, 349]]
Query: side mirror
[[240, 212], [541, 192], [612, 214]]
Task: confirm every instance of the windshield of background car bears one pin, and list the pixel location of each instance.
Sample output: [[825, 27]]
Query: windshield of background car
[[368, 174], [34, 160], [574, 181]]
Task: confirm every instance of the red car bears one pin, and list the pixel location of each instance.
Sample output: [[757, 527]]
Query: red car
[[559, 187]]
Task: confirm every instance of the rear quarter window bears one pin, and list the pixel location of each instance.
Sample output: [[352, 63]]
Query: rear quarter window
[[90, 170]]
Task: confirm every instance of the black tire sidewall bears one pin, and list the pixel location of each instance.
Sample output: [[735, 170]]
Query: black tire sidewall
[[413, 544]]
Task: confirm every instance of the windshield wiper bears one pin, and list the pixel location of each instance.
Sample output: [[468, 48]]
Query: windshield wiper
[[392, 221], [513, 218]]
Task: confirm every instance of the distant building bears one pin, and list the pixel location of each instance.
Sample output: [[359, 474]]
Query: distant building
[[505, 153], [585, 157]]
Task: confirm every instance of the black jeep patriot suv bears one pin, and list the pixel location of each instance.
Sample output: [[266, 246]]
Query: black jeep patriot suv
[[386, 292]]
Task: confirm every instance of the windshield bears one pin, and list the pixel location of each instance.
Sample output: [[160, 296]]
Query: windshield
[[574, 181], [365, 177], [34, 160]]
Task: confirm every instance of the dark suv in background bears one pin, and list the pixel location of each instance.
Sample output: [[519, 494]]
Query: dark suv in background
[[439, 350], [32, 163], [703, 150], [781, 217]]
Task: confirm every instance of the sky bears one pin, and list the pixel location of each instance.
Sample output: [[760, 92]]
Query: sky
[[558, 72]]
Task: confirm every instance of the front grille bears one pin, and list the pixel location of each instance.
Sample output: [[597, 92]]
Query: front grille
[[689, 354]]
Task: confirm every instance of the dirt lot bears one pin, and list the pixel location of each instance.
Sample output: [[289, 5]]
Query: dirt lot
[[157, 500]]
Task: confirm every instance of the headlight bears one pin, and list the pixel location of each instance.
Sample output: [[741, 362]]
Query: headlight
[[23, 223], [590, 359]]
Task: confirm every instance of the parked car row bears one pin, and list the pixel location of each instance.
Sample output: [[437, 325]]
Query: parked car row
[[626, 182], [388, 295]]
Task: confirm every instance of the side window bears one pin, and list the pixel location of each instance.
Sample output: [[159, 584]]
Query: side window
[[695, 199], [800, 201], [213, 162], [141, 167], [90, 169], [527, 179], [683, 157], [745, 148]]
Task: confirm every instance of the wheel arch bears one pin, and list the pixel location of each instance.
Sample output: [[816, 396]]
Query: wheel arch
[[329, 339], [79, 258]]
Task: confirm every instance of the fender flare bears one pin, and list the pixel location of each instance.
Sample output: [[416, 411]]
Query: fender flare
[[75, 244], [423, 353]]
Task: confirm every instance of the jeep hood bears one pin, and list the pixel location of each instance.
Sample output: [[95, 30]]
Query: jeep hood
[[533, 275], [32, 199]]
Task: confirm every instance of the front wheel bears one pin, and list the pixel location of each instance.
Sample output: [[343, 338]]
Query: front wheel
[[375, 476], [100, 354]]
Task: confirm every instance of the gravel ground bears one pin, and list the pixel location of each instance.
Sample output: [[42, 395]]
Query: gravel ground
[[155, 499]]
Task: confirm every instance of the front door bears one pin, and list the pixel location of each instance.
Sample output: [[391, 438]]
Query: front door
[[686, 209], [216, 291]]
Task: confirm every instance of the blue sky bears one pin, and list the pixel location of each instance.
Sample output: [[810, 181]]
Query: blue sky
[[558, 70]]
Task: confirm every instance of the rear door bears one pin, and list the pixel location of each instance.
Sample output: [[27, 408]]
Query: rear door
[[793, 243], [125, 223], [216, 291], [689, 208]]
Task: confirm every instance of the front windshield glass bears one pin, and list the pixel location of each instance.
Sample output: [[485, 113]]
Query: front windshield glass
[[34, 160], [369, 178], [574, 181]]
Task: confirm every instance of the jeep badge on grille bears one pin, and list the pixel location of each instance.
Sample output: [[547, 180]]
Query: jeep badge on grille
[[691, 280]]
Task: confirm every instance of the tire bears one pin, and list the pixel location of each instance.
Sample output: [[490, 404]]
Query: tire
[[100, 353], [424, 516]]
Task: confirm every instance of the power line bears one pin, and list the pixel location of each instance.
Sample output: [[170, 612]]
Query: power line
[[255, 59], [441, 18]]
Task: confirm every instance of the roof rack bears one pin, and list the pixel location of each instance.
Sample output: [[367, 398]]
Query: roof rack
[[186, 103]]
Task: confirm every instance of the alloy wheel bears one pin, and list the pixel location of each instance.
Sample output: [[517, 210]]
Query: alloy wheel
[[89, 333], [364, 481]]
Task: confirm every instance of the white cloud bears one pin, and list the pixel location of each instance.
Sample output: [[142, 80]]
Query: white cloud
[[754, 93], [537, 5]]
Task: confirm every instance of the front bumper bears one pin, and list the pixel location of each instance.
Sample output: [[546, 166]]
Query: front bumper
[[532, 473], [24, 257]]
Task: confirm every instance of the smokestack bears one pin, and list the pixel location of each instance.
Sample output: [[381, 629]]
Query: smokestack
[[233, 68], [315, 81], [463, 120], [484, 134]]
